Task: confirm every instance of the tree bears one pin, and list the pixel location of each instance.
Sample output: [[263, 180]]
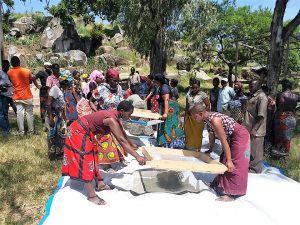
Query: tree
[[279, 36], [150, 26], [240, 34]]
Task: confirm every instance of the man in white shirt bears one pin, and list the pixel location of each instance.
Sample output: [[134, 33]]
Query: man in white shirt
[[226, 94]]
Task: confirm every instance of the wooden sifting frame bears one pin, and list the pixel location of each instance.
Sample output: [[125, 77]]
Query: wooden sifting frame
[[208, 166], [143, 113]]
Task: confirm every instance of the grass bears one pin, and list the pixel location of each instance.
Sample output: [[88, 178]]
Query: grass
[[28, 177], [131, 56]]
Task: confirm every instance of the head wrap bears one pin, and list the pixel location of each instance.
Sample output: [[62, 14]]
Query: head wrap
[[85, 75], [112, 74], [66, 75], [96, 74]]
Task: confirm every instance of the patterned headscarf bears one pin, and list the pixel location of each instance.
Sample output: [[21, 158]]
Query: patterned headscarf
[[66, 75], [93, 76]]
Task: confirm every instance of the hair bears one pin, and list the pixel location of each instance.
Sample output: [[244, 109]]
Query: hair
[[15, 61], [65, 83], [216, 79], [5, 65], [195, 81], [265, 88], [191, 80], [150, 77], [197, 108], [240, 92], [174, 82], [55, 66], [160, 78], [257, 81], [75, 72], [125, 106], [286, 84]]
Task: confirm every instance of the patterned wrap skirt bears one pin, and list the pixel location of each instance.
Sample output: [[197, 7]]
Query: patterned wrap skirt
[[235, 183], [80, 159], [109, 149], [284, 126]]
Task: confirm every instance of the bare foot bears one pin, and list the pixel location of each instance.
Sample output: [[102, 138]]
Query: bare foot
[[225, 198], [97, 200]]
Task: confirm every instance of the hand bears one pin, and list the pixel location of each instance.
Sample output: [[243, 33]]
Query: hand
[[230, 166], [164, 116], [141, 160]]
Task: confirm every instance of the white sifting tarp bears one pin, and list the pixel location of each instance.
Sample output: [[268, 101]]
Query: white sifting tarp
[[145, 197]]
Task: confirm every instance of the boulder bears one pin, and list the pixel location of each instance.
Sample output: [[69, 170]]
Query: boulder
[[184, 64], [118, 39], [120, 61], [125, 49], [247, 74], [106, 49], [60, 38], [15, 32], [76, 57], [182, 72], [39, 56], [110, 60], [25, 25], [201, 75]]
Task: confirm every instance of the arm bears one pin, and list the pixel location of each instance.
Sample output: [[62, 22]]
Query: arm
[[220, 132], [118, 133], [166, 105], [212, 139], [50, 100], [187, 106], [149, 95], [35, 82], [92, 105], [207, 104], [75, 95], [262, 108]]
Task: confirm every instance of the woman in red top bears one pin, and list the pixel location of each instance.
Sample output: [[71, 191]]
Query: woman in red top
[[80, 159]]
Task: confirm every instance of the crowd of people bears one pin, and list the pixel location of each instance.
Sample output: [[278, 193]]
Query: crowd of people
[[84, 116]]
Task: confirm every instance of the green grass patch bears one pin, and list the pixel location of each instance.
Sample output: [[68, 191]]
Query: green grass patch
[[128, 55]]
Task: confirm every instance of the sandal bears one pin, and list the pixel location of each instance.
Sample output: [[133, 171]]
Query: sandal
[[99, 201]]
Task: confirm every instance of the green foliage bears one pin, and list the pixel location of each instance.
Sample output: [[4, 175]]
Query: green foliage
[[29, 40], [128, 55], [38, 17], [95, 63], [84, 31], [97, 31]]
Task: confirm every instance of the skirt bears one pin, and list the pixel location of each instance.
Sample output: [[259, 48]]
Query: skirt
[[109, 149], [235, 183], [284, 126], [193, 133], [80, 159]]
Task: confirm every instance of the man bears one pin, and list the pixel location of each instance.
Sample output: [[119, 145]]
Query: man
[[255, 122], [214, 94], [5, 97], [134, 80], [226, 94], [53, 79], [21, 79], [43, 94]]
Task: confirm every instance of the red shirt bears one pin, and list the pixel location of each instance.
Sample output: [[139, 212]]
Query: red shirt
[[51, 81], [95, 121], [20, 78]]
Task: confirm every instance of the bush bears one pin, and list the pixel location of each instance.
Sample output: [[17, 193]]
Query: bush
[[95, 63], [128, 55], [84, 31], [97, 32], [40, 19]]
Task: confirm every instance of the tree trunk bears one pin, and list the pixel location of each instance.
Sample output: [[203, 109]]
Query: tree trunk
[[1, 36], [276, 51], [230, 72], [158, 55]]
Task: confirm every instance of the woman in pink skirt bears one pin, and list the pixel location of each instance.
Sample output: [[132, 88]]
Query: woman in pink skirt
[[235, 141]]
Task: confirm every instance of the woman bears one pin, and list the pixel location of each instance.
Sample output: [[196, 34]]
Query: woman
[[285, 121], [235, 141], [237, 105], [214, 94], [80, 159], [85, 104], [57, 119], [170, 133], [192, 129], [109, 94]]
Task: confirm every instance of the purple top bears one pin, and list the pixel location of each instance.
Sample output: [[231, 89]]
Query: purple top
[[228, 123]]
